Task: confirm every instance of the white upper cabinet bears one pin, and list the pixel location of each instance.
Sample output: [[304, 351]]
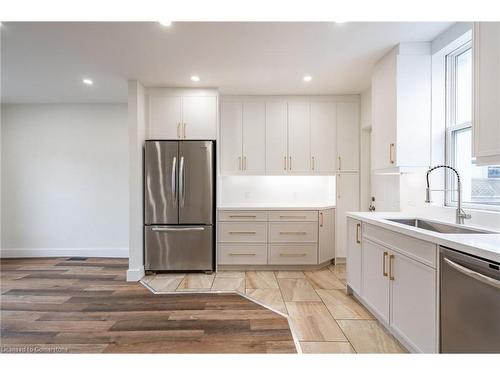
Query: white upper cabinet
[[276, 137], [288, 135], [254, 137], [165, 117], [299, 146], [401, 109], [199, 117], [486, 72], [323, 137], [243, 136], [182, 114], [348, 137], [231, 133]]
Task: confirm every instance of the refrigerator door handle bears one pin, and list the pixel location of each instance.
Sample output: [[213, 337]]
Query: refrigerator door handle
[[173, 179], [176, 229], [181, 182]]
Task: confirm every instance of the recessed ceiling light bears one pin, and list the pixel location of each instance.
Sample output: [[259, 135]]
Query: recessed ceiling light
[[307, 78], [195, 78], [165, 23], [88, 82]]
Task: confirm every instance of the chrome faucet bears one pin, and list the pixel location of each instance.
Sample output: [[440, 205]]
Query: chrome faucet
[[461, 215]]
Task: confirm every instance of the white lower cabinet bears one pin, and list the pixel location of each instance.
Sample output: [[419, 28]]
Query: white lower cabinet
[[347, 200], [395, 284], [230, 253], [375, 280], [326, 235], [413, 302], [293, 253], [293, 237], [353, 261]]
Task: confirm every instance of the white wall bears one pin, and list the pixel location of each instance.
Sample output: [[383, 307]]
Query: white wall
[[136, 137], [277, 190], [64, 180]]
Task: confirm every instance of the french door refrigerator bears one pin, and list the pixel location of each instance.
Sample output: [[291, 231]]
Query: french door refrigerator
[[179, 205]]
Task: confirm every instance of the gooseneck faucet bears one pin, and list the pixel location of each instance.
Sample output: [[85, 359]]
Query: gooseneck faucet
[[461, 215]]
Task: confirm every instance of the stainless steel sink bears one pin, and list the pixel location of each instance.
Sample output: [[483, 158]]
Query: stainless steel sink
[[438, 227]]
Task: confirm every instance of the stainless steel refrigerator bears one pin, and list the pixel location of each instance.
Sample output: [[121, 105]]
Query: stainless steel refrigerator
[[179, 199]]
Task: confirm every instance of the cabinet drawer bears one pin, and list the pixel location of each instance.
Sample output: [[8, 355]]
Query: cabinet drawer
[[243, 232], [293, 254], [422, 251], [242, 253], [293, 232], [293, 215], [242, 215]]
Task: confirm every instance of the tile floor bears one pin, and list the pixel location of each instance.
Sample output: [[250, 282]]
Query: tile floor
[[324, 318]]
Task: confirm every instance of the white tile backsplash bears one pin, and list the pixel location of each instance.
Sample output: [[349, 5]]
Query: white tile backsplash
[[276, 190]]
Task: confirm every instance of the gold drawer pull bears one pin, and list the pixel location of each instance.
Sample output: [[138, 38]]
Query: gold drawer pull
[[358, 226], [242, 254], [242, 232], [292, 217], [301, 233], [384, 272], [293, 255], [242, 216], [391, 153], [391, 274]]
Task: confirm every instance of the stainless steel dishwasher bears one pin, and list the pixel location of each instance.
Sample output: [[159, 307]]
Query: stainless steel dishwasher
[[470, 303]]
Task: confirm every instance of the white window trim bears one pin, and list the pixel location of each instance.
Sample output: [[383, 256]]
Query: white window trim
[[450, 128]]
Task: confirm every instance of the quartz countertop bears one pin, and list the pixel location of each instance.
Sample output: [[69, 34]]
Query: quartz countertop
[[279, 206], [482, 245]]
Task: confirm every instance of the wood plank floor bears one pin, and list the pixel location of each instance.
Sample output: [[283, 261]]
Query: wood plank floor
[[85, 305]]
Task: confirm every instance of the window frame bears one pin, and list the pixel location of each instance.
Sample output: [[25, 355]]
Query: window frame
[[451, 129]]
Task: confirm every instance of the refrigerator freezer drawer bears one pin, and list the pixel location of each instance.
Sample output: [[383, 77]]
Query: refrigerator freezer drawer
[[178, 248]]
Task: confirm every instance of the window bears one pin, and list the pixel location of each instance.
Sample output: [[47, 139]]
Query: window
[[480, 185]]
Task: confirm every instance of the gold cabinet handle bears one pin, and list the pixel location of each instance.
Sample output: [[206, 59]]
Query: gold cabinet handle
[[300, 233], [391, 270], [242, 254], [243, 216], [284, 166], [321, 219], [242, 232], [289, 163], [244, 163], [184, 131], [340, 163], [312, 162], [293, 255], [384, 271], [239, 163], [178, 130], [358, 227], [391, 153], [292, 217]]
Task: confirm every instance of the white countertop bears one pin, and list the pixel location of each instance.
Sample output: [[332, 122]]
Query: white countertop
[[483, 245], [279, 206]]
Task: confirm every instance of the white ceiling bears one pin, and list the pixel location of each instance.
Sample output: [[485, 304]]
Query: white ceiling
[[45, 62]]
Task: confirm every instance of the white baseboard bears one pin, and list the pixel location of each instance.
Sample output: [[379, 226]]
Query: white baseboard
[[135, 274], [65, 252]]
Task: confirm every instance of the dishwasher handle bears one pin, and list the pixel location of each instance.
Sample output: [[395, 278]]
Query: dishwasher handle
[[475, 275]]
